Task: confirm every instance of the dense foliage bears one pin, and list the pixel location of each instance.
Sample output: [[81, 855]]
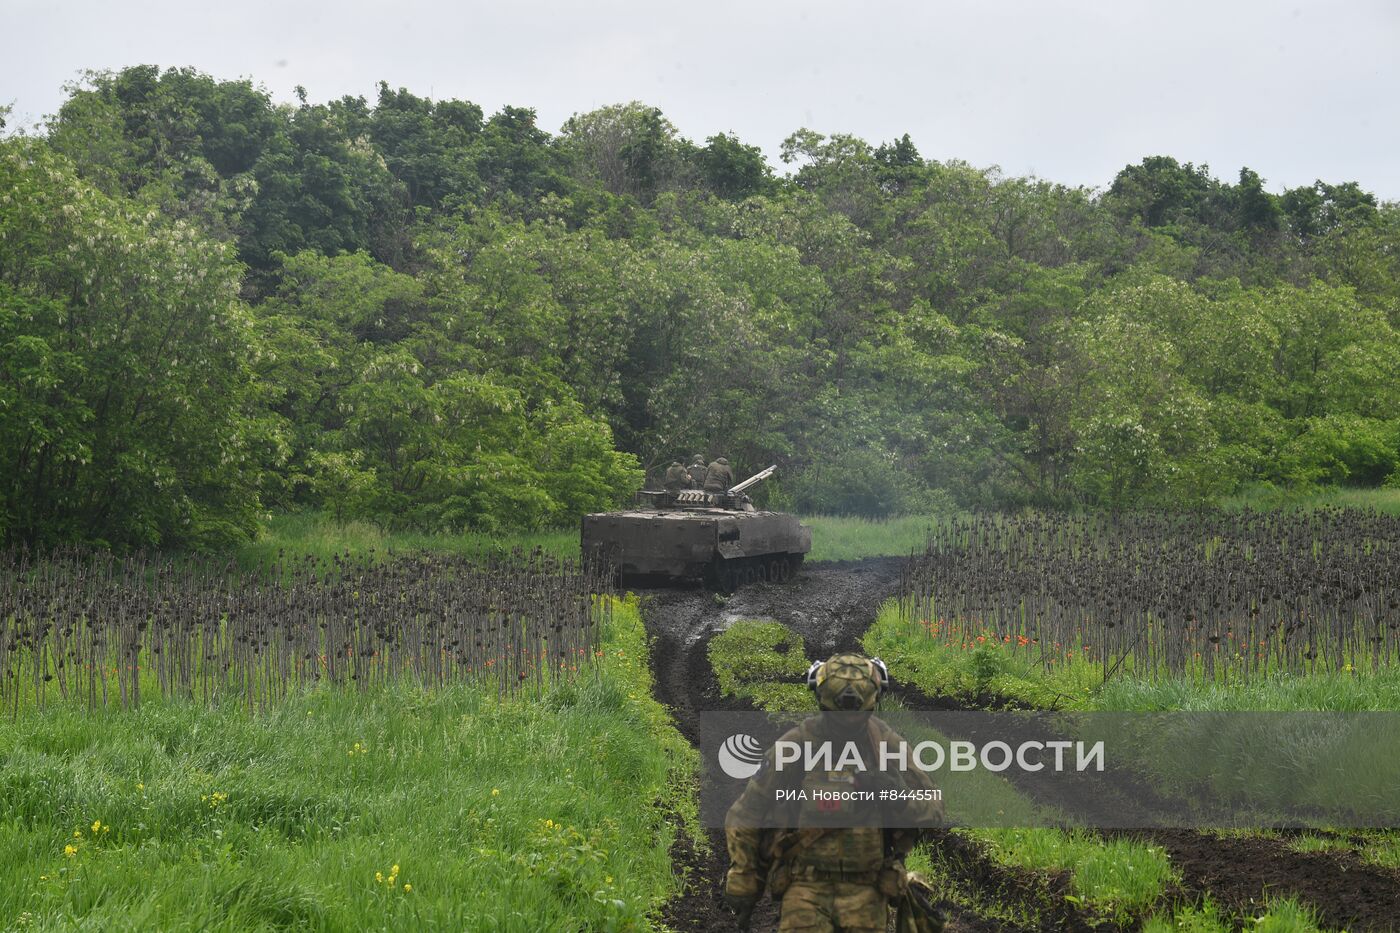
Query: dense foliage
[[212, 305]]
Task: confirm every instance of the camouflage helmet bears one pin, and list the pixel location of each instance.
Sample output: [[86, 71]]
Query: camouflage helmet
[[848, 682], [698, 458], [723, 461]]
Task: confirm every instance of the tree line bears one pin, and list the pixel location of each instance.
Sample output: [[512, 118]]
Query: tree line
[[213, 306]]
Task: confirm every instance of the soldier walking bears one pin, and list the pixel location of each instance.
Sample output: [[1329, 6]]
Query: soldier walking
[[830, 877]]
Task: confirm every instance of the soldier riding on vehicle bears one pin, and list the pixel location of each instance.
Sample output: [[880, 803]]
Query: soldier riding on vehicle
[[697, 470], [677, 478], [719, 476], [682, 533]]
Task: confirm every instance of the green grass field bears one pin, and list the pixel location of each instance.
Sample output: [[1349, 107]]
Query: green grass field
[[319, 535], [392, 809], [1382, 500], [834, 537]]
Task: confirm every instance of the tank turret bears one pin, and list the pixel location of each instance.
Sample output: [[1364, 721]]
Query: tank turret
[[734, 498]]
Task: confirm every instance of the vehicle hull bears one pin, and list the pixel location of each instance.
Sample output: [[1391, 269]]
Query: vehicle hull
[[718, 546]]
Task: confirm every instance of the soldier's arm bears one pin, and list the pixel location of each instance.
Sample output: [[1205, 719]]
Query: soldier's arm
[[744, 826]]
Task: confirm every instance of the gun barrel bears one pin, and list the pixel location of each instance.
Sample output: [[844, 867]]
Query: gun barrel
[[754, 480]]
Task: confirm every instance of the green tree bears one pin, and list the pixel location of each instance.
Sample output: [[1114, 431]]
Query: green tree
[[631, 149], [127, 412], [733, 170]]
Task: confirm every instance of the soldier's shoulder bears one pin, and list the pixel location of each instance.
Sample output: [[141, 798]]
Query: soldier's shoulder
[[884, 730], [800, 732]]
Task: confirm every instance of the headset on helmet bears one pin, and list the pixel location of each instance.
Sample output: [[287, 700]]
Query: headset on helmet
[[878, 670]]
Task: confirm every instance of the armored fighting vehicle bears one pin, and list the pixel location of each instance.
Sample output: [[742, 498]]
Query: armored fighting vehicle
[[717, 538]]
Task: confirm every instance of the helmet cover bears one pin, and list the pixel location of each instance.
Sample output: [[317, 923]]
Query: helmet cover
[[847, 683]]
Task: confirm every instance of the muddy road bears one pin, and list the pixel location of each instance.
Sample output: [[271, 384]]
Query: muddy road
[[831, 605]]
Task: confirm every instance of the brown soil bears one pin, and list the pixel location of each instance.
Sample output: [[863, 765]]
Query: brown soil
[[1242, 872]]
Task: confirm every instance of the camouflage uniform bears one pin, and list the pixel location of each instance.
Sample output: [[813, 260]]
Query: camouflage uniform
[[676, 477], [697, 471], [828, 878], [719, 477]]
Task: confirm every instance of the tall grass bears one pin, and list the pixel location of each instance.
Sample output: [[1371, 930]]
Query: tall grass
[[318, 535], [1382, 500], [851, 538], [390, 809]]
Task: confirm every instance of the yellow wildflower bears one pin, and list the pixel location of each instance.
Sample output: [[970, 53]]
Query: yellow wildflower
[[70, 850], [379, 877], [495, 792], [140, 786], [96, 825], [394, 870], [407, 887], [77, 834]]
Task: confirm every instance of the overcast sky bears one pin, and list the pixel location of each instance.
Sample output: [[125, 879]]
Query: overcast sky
[[1069, 91]]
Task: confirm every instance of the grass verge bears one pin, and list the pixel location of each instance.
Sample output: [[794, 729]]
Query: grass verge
[[762, 662], [388, 809], [974, 667]]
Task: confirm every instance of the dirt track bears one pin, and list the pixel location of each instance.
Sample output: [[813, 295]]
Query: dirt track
[[828, 604], [831, 605]]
